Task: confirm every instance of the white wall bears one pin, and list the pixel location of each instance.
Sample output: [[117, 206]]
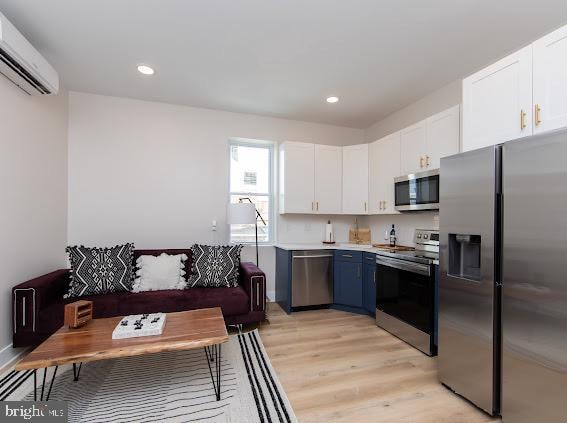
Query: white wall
[[33, 185], [442, 99], [157, 174]]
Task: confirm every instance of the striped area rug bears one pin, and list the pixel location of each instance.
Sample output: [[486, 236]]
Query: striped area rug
[[168, 387]]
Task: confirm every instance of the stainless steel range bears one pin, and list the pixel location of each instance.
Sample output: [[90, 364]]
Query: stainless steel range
[[406, 291]]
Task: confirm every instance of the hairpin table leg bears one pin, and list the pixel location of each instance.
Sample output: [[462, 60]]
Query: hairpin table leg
[[77, 371], [35, 384], [43, 383], [50, 384], [213, 354]]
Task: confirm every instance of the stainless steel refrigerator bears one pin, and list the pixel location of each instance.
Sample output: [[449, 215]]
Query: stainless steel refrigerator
[[503, 285]]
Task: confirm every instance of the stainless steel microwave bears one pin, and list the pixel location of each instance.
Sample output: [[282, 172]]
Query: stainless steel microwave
[[418, 191]]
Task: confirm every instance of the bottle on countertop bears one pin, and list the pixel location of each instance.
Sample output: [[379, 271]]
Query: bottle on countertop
[[393, 237]]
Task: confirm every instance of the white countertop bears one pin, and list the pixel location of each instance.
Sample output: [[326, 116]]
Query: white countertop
[[338, 246], [320, 246]]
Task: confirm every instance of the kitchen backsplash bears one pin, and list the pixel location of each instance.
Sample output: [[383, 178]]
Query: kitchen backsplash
[[294, 228], [305, 228], [405, 224]]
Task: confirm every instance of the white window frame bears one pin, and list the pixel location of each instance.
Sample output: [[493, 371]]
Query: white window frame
[[270, 146]]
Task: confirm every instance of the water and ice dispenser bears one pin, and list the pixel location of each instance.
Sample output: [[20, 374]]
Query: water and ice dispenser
[[464, 256]]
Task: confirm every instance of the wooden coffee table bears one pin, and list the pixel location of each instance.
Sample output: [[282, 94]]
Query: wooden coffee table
[[184, 330]]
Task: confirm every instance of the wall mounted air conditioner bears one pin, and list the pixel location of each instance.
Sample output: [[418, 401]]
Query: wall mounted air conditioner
[[22, 64]]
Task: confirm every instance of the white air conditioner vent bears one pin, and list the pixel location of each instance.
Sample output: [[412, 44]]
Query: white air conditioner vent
[[22, 64]]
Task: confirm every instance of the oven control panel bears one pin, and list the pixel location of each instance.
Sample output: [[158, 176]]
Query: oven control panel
[[426, 237]]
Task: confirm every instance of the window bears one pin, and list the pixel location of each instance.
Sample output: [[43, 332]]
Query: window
[[251, 165]]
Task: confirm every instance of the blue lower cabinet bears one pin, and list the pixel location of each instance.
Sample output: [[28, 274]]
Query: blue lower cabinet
[[348, 283], [369, 287], [283, 279], [354, 287]]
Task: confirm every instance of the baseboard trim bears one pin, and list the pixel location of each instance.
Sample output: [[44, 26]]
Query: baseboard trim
[[271, 296], [9, 356]]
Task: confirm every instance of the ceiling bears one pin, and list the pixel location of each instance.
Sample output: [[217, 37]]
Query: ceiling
[[279, 58]]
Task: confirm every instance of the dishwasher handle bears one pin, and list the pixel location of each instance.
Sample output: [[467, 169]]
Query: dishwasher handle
[[317, 256]]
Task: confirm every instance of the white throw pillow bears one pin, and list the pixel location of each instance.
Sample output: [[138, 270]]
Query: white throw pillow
[[158, 273]]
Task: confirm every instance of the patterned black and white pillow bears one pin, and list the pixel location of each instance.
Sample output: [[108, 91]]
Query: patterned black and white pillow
[[215, 266], [100, 270]]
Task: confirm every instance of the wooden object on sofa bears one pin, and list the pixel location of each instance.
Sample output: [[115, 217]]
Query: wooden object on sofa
[[78, 313]]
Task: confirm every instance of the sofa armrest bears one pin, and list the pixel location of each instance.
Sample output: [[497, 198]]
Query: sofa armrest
[[253, 280], [31, 296]]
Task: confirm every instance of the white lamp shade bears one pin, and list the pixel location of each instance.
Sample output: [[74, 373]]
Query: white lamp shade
[[241, 213]]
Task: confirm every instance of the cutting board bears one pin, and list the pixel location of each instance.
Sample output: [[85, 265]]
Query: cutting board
[[363, 237], [396, 248]]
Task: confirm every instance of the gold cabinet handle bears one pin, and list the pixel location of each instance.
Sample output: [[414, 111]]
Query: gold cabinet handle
[[522, 120], [427, 161], [384, 205], [380, 205], [537, 114], [421, 162]]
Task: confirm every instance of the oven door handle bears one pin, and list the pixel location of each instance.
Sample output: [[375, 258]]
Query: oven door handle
[[422, 269]]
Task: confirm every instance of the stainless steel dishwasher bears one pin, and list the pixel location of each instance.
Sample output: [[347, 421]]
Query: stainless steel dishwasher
[[311, 278]]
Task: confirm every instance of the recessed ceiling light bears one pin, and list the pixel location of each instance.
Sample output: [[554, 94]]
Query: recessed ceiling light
[[146, 70], [332, 99]]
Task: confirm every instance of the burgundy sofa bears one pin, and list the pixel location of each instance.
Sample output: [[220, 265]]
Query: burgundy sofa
[[37, 305]]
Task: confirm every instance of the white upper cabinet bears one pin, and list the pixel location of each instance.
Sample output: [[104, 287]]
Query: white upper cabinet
[[383, 166], [328, 179], [443, 135], [424, 144], [355, 179], [413, 146], [522, 94], [297, 178], [550, 81], [359, 179], [497, 102]]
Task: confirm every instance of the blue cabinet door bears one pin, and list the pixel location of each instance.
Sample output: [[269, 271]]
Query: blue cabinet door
[[338, 276], [283, 279], [369, 285], [348, 283]]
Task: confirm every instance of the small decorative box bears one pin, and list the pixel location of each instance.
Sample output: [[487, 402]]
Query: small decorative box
[[78, 313]]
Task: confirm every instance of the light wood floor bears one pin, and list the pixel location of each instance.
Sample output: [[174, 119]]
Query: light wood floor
[[340, 367]]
